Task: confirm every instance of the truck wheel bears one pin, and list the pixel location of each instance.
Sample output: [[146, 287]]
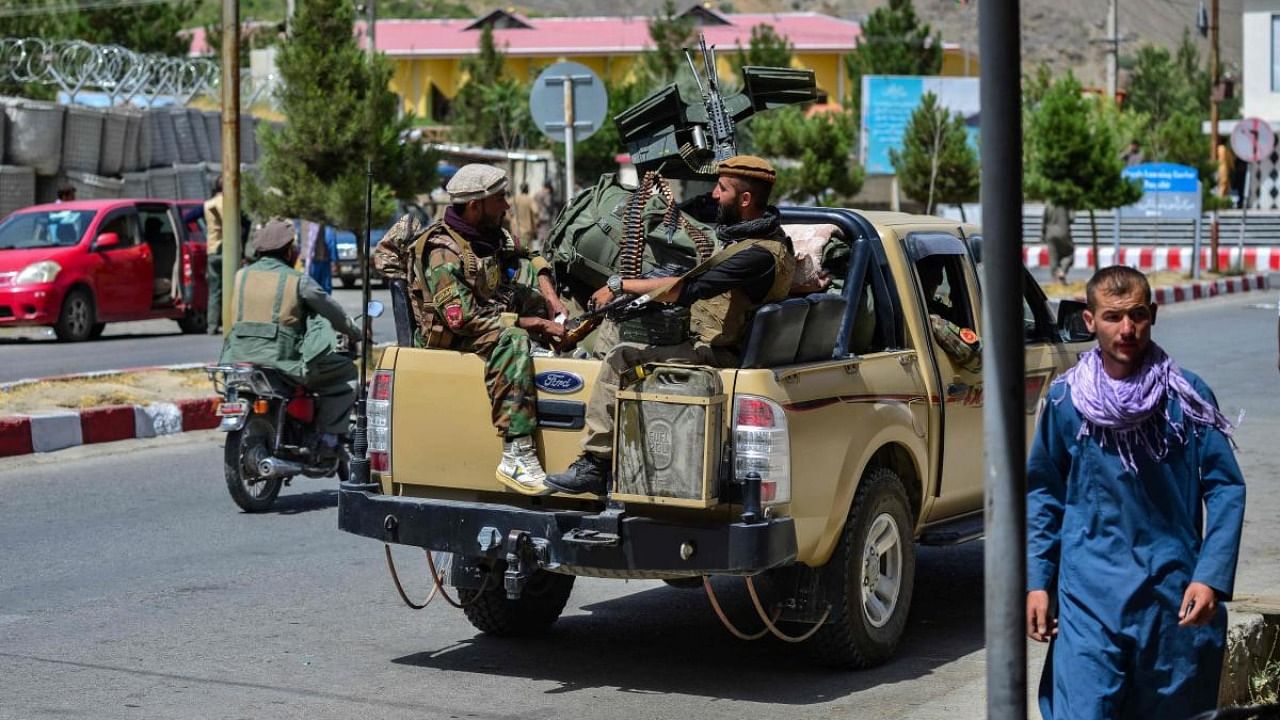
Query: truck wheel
[[539, 605], [76, 321], [869, 578], [240, 466]]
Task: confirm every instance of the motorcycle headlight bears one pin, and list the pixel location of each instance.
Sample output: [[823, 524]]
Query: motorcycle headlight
[[37, 273]]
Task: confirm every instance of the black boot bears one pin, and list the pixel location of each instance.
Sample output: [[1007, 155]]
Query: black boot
[[587, 474]]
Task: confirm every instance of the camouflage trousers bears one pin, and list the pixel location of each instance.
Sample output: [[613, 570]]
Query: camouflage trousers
[[508, 371]]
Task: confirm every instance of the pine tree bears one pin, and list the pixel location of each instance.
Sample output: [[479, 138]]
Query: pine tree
[[339, 117], [936, 165], [894, 42], [813, 154], [1072, 152], [490, 109], [766, 48], [671, 33]]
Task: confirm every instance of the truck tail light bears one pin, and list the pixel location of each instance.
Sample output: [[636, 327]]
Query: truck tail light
[[378, 411], [761, 445]]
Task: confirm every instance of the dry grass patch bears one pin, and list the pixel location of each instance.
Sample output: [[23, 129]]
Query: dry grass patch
[[1158, 279], [135, 388]]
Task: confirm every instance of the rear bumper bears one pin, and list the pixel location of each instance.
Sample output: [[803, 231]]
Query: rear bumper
[[564, 538]]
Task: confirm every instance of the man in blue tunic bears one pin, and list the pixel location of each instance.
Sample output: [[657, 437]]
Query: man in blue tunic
[[1131, 460]]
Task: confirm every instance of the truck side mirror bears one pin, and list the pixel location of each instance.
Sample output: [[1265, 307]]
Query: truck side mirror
[[1071, 325], [107, 240]]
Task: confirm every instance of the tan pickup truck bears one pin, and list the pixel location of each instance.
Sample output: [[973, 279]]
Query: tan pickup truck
[[848, 434]]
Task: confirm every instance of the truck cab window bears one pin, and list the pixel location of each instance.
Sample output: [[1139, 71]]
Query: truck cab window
[[942, 282]]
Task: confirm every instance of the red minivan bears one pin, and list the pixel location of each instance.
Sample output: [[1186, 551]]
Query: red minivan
[[79, 265]]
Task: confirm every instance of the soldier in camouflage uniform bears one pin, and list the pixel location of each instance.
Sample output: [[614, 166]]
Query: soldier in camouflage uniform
[[464, 277]]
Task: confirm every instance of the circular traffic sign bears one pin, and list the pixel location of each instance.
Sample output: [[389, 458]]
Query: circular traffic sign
[[1253, 140], [548, 102]]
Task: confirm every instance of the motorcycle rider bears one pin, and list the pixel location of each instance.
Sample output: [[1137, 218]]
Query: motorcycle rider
[[283, 319]]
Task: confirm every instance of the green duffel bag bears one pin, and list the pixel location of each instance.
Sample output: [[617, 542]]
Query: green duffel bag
[[586, 241]]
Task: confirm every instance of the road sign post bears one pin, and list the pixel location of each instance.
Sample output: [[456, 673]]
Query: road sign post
[[568, 103], [1252, 141]]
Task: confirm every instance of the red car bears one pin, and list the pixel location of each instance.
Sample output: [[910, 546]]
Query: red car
[[79, 265]]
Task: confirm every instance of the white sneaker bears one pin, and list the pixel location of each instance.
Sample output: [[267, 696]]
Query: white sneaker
[[520, 469]]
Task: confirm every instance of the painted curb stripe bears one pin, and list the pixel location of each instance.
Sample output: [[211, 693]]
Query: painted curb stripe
[[107, 424], [15, 436]]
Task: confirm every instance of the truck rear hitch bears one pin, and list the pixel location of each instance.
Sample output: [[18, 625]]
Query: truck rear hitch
[[525, 556]]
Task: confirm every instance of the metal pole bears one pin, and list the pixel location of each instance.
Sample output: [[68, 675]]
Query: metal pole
[[1113, 48], [1244, 213], [1004, 416], [1215, 72], [1195, 250], [569, 131], [230, 155]]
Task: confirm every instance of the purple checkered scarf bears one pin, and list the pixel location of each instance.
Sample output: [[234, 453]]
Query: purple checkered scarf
[[1131, 413]]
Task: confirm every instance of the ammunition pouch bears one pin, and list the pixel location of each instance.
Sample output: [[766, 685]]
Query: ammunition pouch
[[662, 325]]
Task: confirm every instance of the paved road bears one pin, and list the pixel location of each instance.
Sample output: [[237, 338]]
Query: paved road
[[132, 593], [33, 352]]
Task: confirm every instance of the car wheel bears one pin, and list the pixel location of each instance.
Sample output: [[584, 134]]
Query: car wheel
[[76, 321], [869, 579], [194, 322]]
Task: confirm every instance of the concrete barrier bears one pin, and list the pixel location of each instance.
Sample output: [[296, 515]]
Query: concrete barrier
[[55, 431], [1253, 642]]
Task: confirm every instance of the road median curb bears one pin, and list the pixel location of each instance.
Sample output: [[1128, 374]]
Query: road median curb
[[47, 432], [1203, 290]]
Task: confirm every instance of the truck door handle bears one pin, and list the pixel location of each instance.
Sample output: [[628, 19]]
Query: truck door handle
[[957, 389], [562, 414]]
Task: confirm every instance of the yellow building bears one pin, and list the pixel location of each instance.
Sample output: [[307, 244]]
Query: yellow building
[[428, 54]]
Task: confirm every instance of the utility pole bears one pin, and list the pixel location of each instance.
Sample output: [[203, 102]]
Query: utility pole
[[1215, 77], [231, 239], [372, 7], [1003, 360], [1113, 49]]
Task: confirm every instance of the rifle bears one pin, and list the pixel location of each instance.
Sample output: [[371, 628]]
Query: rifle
[[719, 121], [621, 307]]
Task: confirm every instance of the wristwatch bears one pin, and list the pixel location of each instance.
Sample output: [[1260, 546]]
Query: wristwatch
[[614, 283]]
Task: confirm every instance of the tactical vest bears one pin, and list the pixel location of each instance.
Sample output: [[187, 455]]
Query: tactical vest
[[721, 321], [481, 275], [270, 319]]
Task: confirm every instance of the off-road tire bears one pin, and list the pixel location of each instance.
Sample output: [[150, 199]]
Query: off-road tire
[[539, 606], [233, 463], [849, 638], [77, 318]]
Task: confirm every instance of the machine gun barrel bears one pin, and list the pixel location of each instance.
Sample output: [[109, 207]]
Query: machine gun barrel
[[722, 138]]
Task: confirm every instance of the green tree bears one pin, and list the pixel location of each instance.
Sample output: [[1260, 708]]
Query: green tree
[[894, 42], [423, 9], [671, 33], [1072, 153], [937, 164], [339, 117], [491, 109], [766, 48], [813, 154]]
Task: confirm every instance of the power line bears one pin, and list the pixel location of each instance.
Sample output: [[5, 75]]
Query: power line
[[81, 6]]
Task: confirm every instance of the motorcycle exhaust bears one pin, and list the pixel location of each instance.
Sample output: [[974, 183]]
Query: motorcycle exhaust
[[274, 467]]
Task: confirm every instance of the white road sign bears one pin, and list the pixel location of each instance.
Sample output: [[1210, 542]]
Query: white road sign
[[1253, 140]]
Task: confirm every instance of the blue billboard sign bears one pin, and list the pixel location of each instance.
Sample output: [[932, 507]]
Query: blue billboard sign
[[1169, 191], [889, 100]]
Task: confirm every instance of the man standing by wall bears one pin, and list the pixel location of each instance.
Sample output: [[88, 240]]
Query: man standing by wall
[[1056, 234], [524, 225], [1134, 510], [213, 244]]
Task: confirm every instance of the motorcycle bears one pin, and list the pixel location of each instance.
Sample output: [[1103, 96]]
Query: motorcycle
[[269, 419]]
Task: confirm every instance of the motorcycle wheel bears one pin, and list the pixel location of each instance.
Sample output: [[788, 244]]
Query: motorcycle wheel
[[250, 492]]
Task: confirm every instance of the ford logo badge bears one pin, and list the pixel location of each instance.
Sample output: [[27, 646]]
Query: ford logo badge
[[558, 382]]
